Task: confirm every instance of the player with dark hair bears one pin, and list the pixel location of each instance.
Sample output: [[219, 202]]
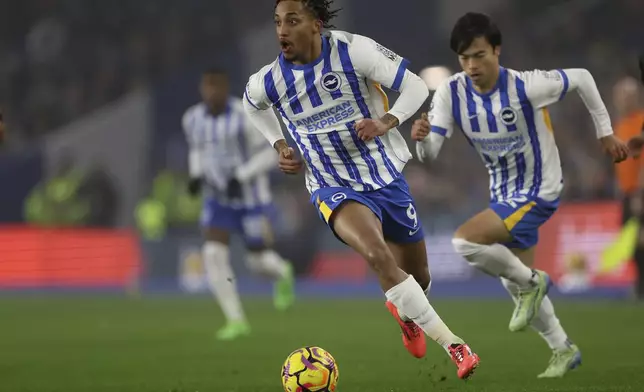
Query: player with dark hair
[[327, 87], [503, 114], [229, 160]]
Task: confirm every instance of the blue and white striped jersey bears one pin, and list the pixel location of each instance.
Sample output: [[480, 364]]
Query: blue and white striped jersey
[[509, 127], [224, 143], [320, 102]]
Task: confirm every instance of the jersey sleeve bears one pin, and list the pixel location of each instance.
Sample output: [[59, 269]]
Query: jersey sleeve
[[544, 88], [378, 63], [255, 140], [440, 114], [255, 93]]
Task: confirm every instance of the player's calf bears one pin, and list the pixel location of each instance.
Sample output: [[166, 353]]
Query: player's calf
[[268, 263], [495, 260]]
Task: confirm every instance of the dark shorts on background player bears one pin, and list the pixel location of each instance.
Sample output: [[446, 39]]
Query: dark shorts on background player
[[393, 205], [254, 224], [523, 217]]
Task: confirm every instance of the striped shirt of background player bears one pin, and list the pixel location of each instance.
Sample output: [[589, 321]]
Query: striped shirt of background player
[[225, 142], [520, 173]]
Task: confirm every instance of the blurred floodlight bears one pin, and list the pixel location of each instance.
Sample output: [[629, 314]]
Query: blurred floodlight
[[434, 76]]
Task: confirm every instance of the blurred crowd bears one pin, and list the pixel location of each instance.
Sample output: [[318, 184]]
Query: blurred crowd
[[64, 58]]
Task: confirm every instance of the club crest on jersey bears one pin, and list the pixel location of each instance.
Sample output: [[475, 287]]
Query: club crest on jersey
[[509, 116], [338, 197], [331, 82]]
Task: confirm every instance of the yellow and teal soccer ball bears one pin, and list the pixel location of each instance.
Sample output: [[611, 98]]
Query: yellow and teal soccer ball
[[310, 369]]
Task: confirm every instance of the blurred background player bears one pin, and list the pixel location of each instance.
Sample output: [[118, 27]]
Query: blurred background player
[[327, 88], [503, 114], [630, 176], [229, 160]]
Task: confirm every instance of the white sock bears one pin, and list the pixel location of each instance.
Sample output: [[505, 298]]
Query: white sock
[[408, 296], [222, 280], [546, 322], [405, 318], [495, 260], [268, 263]]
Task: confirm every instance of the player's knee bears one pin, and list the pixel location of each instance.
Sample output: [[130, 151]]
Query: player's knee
[[215, 256], [214, 249], [466, 235], [254, 262], [466, 248], [217, 235], [379, 258]]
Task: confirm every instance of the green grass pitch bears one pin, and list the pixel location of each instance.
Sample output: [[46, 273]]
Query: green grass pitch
[[163, 344]]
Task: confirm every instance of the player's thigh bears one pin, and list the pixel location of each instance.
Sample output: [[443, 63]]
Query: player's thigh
[[359, 227], [525, 255], [218, 221], [355, 219], [485, 228], [213, 234], [522, 219], [412, 258]]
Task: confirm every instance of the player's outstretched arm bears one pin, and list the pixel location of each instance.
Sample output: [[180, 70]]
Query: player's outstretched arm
[[263, 158], [268, 125], [385, 67], [431, 129], [545, 88], [413, 93], [428, 144], [582, 81], [265, 121]]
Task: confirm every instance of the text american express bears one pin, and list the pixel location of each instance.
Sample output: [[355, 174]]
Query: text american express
[[329, 117]]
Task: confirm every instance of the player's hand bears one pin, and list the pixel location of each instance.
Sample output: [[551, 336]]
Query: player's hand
[[635, 145], [420, 128], [194, 186], [289, 162], [369, 128], [614, 147], [234, 189]]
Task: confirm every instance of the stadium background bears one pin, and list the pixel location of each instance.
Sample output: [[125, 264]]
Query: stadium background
[[96, 89]]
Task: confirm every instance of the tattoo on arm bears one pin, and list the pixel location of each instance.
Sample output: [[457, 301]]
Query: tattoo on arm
[[389, 120]]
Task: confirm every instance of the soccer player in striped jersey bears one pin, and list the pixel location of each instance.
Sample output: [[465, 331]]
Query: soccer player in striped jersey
[[503, 114], [229, 160], [327, 87]]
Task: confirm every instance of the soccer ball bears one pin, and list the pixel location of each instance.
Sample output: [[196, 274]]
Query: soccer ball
[[310, 369]]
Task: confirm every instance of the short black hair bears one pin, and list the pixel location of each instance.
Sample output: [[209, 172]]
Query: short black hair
[[321, 10], [471, 26], [215, 70]]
